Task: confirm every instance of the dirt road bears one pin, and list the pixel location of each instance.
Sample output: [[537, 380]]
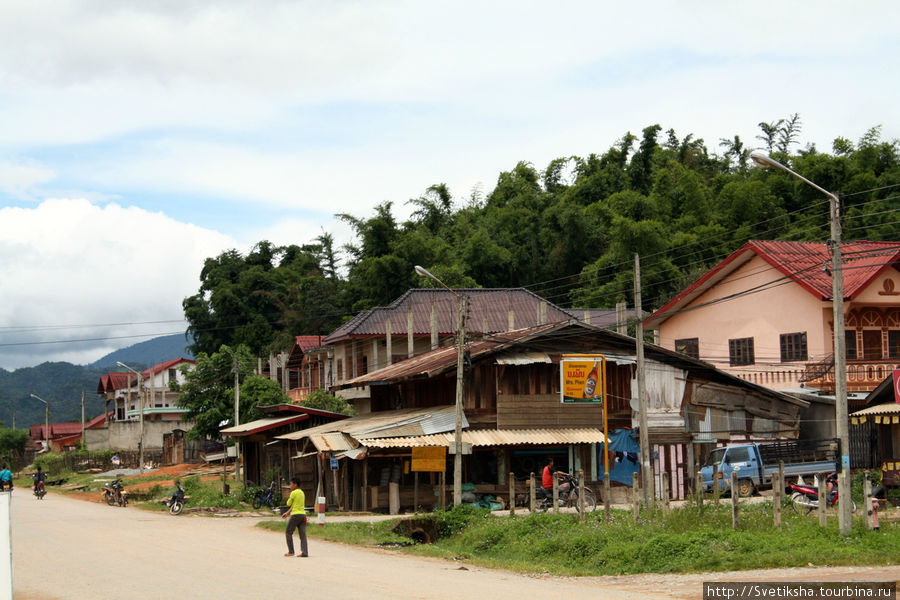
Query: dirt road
[[68, 549]]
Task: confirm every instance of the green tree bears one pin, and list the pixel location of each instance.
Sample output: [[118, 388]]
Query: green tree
[[208, 391], [12, 442], [322, 400]]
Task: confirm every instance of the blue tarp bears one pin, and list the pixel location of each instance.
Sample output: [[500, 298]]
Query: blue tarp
[[627, 458]]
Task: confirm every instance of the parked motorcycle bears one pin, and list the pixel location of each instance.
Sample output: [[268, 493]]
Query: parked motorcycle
[[567, 496], [176, 502], [265, 497], [115, 494], [805, 498]]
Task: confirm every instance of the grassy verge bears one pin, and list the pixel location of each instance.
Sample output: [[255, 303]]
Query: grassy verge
[[678, 541]]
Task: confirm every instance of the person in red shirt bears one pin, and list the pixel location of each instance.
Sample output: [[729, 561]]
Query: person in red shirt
[[547, 477]]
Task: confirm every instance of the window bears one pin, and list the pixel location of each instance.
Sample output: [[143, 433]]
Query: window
[[894, 344], [793, 346], [340, 369], [850, 340], [689, 346], [740, 352]]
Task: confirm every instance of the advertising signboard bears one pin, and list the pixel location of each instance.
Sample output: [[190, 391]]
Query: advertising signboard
[[429, 459], [583, 378]]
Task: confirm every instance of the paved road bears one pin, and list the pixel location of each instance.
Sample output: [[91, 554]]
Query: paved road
[[71, 549]]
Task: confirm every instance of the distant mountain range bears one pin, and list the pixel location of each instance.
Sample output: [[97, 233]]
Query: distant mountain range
[[61, 383]]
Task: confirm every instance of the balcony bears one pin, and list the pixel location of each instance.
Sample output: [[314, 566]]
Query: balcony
[[862, 375]]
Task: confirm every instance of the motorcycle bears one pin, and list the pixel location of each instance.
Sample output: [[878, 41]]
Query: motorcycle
[[805, 498], [39, 490], [114, 493], [176, 502], [265, 497], [567, 495]]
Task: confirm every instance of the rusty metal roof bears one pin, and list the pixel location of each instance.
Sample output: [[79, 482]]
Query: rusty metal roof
[[494, 437], [389, 423], [333, 442], [486, 306], [436, 361], [262, 425]]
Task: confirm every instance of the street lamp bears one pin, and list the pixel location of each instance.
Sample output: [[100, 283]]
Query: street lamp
[[140, 413], [460, 350], [840, 343], [46, 419]]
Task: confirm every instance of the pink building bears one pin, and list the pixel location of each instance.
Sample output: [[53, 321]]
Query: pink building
[[765, 315]]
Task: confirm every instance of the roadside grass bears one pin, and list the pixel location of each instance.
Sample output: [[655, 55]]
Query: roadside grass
[[677, 541]]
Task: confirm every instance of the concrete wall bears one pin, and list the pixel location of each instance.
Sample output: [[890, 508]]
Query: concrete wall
[[125, 435]]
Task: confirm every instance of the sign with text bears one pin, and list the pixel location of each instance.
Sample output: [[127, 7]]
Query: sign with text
[[583, 378], [429, 459]]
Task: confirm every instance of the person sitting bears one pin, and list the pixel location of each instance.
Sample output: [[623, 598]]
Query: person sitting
[[549, 473]]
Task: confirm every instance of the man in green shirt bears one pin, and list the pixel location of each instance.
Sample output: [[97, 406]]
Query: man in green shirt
[[296, 516]]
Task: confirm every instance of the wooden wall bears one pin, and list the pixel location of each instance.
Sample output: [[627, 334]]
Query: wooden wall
[[517, 411]]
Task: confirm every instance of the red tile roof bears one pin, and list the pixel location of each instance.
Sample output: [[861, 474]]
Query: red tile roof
[[808, 264]]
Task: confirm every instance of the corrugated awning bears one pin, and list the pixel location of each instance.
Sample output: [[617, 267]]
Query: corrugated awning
[[524, 358], [494, 437], [262, 425], [333, 442], [394, 423], [882, 414]]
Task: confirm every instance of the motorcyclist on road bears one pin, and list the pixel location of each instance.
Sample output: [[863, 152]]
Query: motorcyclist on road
[[6, 479], [39, 477]]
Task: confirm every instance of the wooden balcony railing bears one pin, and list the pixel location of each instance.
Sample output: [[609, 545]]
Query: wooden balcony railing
[[862, 375]]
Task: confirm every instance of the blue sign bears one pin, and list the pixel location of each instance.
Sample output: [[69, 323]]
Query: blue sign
[[334, 464]]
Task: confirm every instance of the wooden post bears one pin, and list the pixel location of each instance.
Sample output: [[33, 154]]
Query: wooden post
[[394, 498], [416, 492], [734, 500], [581, 495], [716, 490], [698, 483], [867, 498], [665, 490], [365, 485], [532, 501], [635, 495], [823, 519], [777, 495], [512, 494], [556, 494], [607, 501], [443, 490]]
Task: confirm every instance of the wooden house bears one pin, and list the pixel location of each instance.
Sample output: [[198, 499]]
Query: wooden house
[[514, 416]]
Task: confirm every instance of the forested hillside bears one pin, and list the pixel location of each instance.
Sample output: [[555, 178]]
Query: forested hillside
[[567, 231]]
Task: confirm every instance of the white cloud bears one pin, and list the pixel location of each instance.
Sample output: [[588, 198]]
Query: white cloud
[[73, 270]]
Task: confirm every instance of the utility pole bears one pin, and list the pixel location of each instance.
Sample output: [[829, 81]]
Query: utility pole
[[83, 441], [649, 494], [237, 419]]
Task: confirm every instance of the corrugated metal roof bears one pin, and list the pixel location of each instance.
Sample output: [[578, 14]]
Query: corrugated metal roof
[[494, 437], [261, 425], [434, 362], [333, 442], [891, 408], [523, 358], [411, 421], [486, 306]]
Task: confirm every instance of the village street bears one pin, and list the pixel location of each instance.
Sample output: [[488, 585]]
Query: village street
[[70, 549]]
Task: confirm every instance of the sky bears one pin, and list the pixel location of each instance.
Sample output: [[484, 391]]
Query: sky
[[139, 138]]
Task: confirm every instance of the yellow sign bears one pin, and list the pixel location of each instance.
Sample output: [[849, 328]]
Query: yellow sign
[[429, 459], [583, 378]]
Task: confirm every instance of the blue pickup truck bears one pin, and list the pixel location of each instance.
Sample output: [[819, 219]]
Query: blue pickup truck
[[756, 462]]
